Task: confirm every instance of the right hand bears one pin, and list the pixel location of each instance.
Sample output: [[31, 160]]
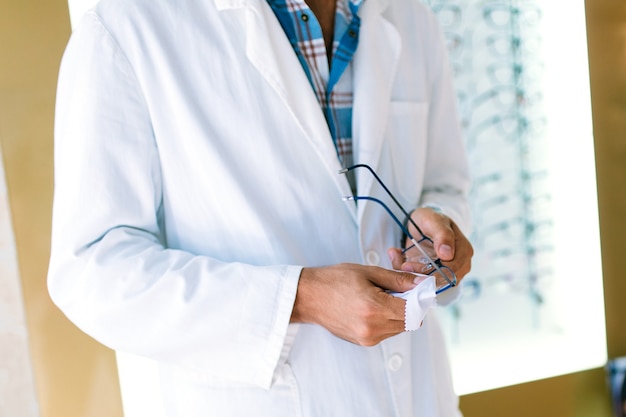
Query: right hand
[[351, 301]]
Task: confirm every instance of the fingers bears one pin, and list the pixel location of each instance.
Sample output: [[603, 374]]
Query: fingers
[[449, 244], [399, 263], [396, 257], [465, 251], [379, 318], [351, 301], [438, 227], [393, 280]]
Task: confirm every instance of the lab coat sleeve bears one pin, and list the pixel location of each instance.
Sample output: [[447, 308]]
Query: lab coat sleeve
[[446, 180], [110, 271]]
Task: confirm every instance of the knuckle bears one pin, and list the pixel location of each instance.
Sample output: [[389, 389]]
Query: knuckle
[[402, 278], [364, 334], [364, 330], [367, 313], [370, 343]]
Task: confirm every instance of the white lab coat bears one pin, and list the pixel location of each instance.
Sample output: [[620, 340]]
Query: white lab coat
[[195, 176]]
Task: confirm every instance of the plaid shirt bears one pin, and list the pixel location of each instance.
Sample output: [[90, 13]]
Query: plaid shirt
[[332, 83]]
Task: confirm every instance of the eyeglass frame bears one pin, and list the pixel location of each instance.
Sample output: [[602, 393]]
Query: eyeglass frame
[[434, 264]]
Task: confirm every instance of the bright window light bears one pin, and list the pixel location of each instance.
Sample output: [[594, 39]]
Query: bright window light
[[553, 324]]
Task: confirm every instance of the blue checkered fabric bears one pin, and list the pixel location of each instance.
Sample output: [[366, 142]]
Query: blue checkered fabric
[[331, 82]]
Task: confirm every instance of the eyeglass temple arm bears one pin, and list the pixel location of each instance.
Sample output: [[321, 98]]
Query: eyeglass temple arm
[[393, 216], [404, 229], [390, 194]]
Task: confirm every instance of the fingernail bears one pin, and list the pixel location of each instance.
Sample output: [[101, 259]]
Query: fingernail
[[446, 251], [418, 279]]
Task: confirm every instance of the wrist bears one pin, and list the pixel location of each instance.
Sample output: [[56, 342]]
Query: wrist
[[301, 312]]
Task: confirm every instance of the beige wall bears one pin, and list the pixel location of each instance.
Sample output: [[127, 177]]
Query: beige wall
[[17, 390], [76, 377]]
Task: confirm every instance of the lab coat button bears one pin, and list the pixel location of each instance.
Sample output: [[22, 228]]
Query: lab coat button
[[395, 362], [372, 258]]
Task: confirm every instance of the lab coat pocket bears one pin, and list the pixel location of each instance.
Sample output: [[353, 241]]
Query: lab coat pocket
[[406, 136]]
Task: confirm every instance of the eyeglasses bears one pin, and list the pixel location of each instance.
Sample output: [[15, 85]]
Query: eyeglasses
[[502, 16], [421, 250]]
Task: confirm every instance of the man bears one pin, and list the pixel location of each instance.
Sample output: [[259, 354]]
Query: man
[[199, 218]]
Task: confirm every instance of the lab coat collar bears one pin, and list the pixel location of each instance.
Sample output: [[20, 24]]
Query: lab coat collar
[[269, 50], [374, 65]]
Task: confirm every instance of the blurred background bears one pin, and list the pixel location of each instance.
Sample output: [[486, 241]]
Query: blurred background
[[504, 53]]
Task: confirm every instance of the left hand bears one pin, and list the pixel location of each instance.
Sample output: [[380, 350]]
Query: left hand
[[450, 244]]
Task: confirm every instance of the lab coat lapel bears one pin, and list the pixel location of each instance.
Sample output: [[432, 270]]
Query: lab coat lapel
[[269, 50], [375, 64]]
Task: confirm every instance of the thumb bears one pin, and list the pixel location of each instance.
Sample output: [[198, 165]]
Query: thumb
[[443, 240], [445, 250], [438, 227]]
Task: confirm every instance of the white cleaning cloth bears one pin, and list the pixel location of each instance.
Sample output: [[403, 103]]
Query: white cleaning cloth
[[418, 302]]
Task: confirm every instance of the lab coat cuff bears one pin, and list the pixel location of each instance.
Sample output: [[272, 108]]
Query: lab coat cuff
[[281, 338]]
